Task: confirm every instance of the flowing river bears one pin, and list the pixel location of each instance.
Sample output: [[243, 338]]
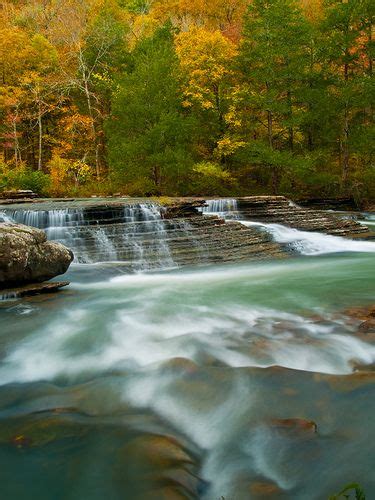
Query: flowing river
[[173, 383]]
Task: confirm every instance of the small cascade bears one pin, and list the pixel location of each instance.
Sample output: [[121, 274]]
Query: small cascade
[[5, 296], [312, 243], [51, 220], [224, 207], [133, 234], [4, 217]]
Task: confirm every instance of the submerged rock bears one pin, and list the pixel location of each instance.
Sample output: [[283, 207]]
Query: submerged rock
[[33, 289], [27, 257], [298, 425]]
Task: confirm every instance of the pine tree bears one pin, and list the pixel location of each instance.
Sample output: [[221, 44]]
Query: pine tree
[[150, 134], [274, 61]]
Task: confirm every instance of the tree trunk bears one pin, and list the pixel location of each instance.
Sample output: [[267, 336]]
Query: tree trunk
[[270, 128], [290, 128], [40, 136], [17, 152], [269, 124], [275, 181], [345, 149], [93, 128], [157, 175]]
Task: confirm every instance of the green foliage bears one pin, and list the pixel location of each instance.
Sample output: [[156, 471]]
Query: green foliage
[[212, 179], [348, 490], [149, 134], [107, 91], [24, 178]]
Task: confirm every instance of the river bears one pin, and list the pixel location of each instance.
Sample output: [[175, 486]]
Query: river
[[176, 383]]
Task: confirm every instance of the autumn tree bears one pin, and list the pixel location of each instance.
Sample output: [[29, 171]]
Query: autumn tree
[[207, 78]]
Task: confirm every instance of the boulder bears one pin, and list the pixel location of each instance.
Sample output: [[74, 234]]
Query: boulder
[[27, 257]]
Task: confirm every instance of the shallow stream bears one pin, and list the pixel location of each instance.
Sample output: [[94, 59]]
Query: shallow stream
[[172, 384]]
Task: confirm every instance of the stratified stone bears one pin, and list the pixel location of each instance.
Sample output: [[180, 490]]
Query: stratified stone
[[280, 210], [35, 289]]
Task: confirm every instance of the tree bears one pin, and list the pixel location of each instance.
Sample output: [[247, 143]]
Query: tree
[[273, 61], [150, 134], [345, 29], [206, 75]]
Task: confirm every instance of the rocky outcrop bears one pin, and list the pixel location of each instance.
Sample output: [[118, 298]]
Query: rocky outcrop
[[27, 257], [280, 210]]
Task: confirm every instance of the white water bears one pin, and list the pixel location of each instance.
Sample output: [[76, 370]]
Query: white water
[[304, 242], [312, 243], [223, 207], [136, 336], [108, 347], [141, 236]]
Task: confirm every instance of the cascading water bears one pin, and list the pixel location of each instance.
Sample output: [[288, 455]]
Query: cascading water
[[303, 242], [199, 383], [138, 235], [224, 207], [312, 243]]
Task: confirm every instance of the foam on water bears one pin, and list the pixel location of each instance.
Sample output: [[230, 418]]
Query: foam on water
[[312, 243], [134, 327]]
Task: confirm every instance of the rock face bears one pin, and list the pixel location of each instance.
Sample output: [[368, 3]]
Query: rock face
[[27, 257], [280, 210]]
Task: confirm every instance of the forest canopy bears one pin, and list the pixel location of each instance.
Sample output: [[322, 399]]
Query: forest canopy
[[177, 97]]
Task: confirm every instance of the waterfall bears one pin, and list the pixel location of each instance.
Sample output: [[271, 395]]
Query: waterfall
[[134, 234], [225, 207], [51, 220]]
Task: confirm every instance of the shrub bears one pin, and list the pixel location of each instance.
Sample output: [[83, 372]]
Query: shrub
[[212, 179], [22, 177]]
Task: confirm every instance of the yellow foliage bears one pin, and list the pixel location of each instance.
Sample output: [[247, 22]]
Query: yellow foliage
[[204, 58], [227, 146], [212, 171]]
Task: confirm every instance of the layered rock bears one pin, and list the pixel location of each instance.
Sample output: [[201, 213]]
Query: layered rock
[[280, 210], [143, 234], [27, 257]]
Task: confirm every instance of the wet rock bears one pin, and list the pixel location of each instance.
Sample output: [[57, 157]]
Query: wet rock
[[34, 289], [363, 368], [366, 316], [27, 257], [164, 468], [167, 493], [180, 365], [260, 489], [18, 194], [39, 430], [363, 313], [280, 210], [156, 450], [298, 425], [348, 383]]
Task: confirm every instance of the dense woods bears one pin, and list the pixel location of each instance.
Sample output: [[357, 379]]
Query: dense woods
[[176, 97]]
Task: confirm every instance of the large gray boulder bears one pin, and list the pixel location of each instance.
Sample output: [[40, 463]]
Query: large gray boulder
[[27, 257]]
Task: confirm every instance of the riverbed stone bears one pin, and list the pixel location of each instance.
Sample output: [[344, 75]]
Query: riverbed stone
[[296, 425], [27, 257]]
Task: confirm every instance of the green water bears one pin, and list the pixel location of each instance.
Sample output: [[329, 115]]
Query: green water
[[166, 385]]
